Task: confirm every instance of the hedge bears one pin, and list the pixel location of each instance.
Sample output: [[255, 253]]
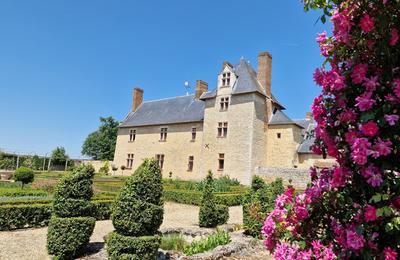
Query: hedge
[[18, 192], [28, 215], [194, 198]]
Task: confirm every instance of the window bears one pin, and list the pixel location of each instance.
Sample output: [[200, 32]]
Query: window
[[132, 135], [163, 134], [226, 79], [129, 161], [193, 134], [160, 159], [190, 163], [278, 135], [221, 160], [222, 129], [224, 103]]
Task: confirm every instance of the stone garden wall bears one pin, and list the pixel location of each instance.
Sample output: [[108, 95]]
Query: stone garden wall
[[299, 177]]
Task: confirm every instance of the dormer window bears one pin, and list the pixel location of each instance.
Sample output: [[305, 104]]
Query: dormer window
[[226, 79]]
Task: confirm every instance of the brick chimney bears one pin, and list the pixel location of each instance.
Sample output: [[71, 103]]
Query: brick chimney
[[264, 71], [309, 116], [201, 87], [137, 98]]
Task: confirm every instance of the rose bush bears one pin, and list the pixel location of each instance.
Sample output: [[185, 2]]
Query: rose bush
[[351, 211]]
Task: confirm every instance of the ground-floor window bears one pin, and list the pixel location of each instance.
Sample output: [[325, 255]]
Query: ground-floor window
[[160, 159], [221, 161], [129, 161], [190, 163]]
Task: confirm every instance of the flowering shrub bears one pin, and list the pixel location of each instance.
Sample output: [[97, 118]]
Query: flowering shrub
[[353, 209]]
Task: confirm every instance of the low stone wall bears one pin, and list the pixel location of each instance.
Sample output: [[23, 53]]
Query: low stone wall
[[299, 177], [5, 175]]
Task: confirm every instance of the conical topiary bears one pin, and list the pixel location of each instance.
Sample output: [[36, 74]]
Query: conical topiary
[[211, 214], [71, 226], [137, 215]]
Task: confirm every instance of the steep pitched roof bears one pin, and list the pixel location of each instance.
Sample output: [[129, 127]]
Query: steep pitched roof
[[246, 83], [182, 109], [308, 141], [280, 118]]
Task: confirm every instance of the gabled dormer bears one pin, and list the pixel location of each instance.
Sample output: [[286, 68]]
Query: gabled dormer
[[227, 76]]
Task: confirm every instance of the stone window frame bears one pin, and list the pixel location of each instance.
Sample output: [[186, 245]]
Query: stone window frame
[[160, 159], [194, 134], [129, 161], [226, 79], [222, 130], [221, 161], [163, 134], [223, 104], [190, 163], [132, 135]]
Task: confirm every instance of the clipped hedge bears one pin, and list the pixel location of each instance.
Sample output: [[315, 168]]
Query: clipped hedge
[[18, 192], [28, 214], [71, 226], [68, 237], [129, 247], [24, 216], [194, 198], [137, 214]]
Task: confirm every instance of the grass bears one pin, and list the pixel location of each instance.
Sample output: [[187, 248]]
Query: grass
[[173, 242], [206, 244]]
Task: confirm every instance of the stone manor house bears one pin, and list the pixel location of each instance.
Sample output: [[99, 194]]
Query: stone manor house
[[235, 129]]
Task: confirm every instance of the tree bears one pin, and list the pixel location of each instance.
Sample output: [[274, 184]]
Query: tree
[[351, 211], [100, 145], [24, 175], [59, 156], [137, 215], [211, 214]]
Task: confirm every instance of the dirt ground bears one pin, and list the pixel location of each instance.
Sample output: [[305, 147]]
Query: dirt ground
[[30, 244]]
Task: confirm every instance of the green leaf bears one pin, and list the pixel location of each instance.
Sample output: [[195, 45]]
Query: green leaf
[[323, 19], [376, 198], [367, 116]]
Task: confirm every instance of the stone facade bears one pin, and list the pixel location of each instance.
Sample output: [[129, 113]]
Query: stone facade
[[258, 136]]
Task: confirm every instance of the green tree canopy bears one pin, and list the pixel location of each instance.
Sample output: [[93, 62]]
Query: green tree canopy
[[100, 145], [58, 155]]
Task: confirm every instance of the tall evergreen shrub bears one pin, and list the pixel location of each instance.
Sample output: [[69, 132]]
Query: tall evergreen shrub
[[71, 225], [211, 214], [137, 215]]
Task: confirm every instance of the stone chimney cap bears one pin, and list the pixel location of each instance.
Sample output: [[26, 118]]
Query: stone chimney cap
[[265, 53]]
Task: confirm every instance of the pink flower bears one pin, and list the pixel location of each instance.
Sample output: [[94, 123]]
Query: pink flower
[[370, 213], [369, 171], [370, 129], [360, 148], [342, 25], [364, 102], [396, 85], [301, 212], [375, 180], [359, 73], [382, 148], [367, 23], [394, 37], [370, 84], [390, 254], [354, 241], [318, 76], [391, 119], [268, 227], [321, 37], [348, 116]]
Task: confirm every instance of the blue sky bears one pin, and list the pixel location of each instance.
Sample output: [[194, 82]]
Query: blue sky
[[64, 63]]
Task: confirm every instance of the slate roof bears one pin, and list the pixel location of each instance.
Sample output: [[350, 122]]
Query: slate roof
[[246, 83], [182, 109], [280, 118], [309, 139]]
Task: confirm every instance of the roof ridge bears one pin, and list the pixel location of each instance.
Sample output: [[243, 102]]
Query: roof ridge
[[161, 99]]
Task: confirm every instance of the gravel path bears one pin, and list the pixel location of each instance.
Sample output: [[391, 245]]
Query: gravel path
[[30, 244]]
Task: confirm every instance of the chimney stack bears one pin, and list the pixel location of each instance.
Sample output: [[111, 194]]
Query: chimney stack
[[137, 98], [264, 71], [201, 87], [309, 116]]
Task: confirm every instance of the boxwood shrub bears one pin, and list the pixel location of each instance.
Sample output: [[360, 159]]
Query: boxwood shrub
[[137, 215], [24, 216], [211, 214], [68, 237], [71, 227]]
